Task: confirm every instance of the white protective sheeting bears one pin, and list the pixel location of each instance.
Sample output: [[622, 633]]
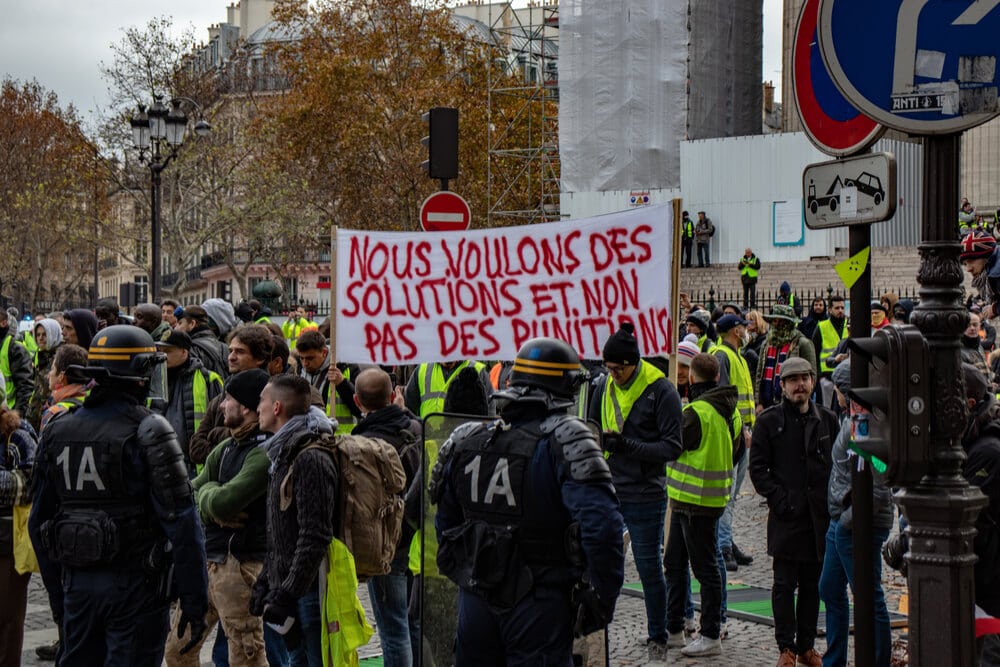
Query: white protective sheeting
[[622, 86]]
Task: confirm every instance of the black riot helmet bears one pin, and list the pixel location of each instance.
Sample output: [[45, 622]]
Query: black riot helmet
[[123, 353], [548, 364]]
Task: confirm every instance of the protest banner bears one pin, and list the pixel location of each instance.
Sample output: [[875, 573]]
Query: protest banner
[[406, 298]]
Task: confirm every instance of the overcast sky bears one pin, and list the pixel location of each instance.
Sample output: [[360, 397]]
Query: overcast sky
[[61, 43]]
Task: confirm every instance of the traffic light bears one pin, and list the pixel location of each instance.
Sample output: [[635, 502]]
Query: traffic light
[[441, 142], [898, 398]]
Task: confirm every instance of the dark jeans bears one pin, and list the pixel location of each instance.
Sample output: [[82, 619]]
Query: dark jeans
[[645, 522], [693, 540], [309, 652], [536, 631], [14, 593], [113, 618], [837, 575], [686, 246], [703, 255], [795, 622], [390, 598], [749, 296]]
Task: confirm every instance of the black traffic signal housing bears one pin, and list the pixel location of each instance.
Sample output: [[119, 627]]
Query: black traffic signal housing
[[441, 142], [898, 398]]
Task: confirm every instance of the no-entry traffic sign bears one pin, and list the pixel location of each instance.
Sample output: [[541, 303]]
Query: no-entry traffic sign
[[445, 212], [830, 121]]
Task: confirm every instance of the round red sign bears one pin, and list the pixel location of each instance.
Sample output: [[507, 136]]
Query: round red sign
[[445, 212], [830, 121]]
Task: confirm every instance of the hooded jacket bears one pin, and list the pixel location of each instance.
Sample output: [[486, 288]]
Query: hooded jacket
[[222, 314], [839, 489], [84, 323], [723, 400]]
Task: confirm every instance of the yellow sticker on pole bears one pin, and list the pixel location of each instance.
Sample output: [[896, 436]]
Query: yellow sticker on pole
[[853, 267]]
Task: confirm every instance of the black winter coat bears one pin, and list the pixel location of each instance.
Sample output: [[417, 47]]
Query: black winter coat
[[793, 476]]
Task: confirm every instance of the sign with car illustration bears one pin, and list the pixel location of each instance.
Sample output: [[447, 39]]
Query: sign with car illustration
[[850, 191]]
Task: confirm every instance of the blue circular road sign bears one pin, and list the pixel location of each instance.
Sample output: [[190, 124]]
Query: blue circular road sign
[[919, 66]]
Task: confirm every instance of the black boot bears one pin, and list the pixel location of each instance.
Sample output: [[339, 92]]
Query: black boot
[[727, 555], [48, 652], [741, 558]]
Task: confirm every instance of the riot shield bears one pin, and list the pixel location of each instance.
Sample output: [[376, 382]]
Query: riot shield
[[437, 596]]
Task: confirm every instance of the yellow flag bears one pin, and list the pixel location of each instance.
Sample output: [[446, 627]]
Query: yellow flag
[[851, 268]]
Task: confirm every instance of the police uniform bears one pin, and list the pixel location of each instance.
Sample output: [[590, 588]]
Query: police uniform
[[114, 516], [528, 524]]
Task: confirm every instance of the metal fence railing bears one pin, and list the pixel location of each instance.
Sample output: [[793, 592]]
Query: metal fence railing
[[712, 298]]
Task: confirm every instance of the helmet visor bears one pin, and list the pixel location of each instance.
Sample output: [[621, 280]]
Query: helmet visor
[[158, 379]]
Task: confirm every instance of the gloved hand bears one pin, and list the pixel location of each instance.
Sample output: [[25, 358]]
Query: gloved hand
[[258, 593], [196, 623], [592, 613], [612, 441], [281, 612]]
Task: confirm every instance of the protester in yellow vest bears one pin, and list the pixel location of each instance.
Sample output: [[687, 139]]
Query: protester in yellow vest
[[687, 238], [296, 323], [190, 386], [826, 339], [15, 366], [428, 386], [734, 371], [749, 267], [640, 415], [699, 479]]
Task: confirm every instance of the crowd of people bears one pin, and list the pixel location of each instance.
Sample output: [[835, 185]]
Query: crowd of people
[[156, 452]]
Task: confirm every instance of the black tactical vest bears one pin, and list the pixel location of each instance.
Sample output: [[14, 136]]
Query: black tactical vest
[[99, 521]]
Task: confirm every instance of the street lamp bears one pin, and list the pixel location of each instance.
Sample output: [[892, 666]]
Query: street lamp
[[158, 134]]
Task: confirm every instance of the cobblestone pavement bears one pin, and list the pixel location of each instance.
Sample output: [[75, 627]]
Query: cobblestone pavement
[[749, 644]]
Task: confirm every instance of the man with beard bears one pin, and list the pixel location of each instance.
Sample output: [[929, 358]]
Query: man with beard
[[826, 339], [784, 341], [790, 467], [231, 493], [979, 258], [817, 314]]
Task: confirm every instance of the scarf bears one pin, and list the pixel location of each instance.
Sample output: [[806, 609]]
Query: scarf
[[313, 422], [770, 387]]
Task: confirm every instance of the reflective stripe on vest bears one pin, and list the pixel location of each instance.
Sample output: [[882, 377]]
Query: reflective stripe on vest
[[616, 404], [5, 371], [433, 386], [748, 271], [739, 377], [704, 476], [343, 625], [831, 339]]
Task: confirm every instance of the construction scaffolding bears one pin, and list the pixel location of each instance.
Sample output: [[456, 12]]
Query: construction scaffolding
[[523, 173]]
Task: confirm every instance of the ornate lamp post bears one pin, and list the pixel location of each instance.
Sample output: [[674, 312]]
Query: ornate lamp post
[[158, 134]]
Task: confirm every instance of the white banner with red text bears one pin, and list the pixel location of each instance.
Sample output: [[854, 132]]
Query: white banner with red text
[[414, 297]]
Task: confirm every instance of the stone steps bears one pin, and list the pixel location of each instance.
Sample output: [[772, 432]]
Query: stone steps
[[893, 269]]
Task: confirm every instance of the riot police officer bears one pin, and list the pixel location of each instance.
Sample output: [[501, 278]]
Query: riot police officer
[[528, 520], [113, 513]]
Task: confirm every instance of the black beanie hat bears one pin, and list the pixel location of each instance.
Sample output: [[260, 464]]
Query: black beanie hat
[[622, 347], [246, 386]]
